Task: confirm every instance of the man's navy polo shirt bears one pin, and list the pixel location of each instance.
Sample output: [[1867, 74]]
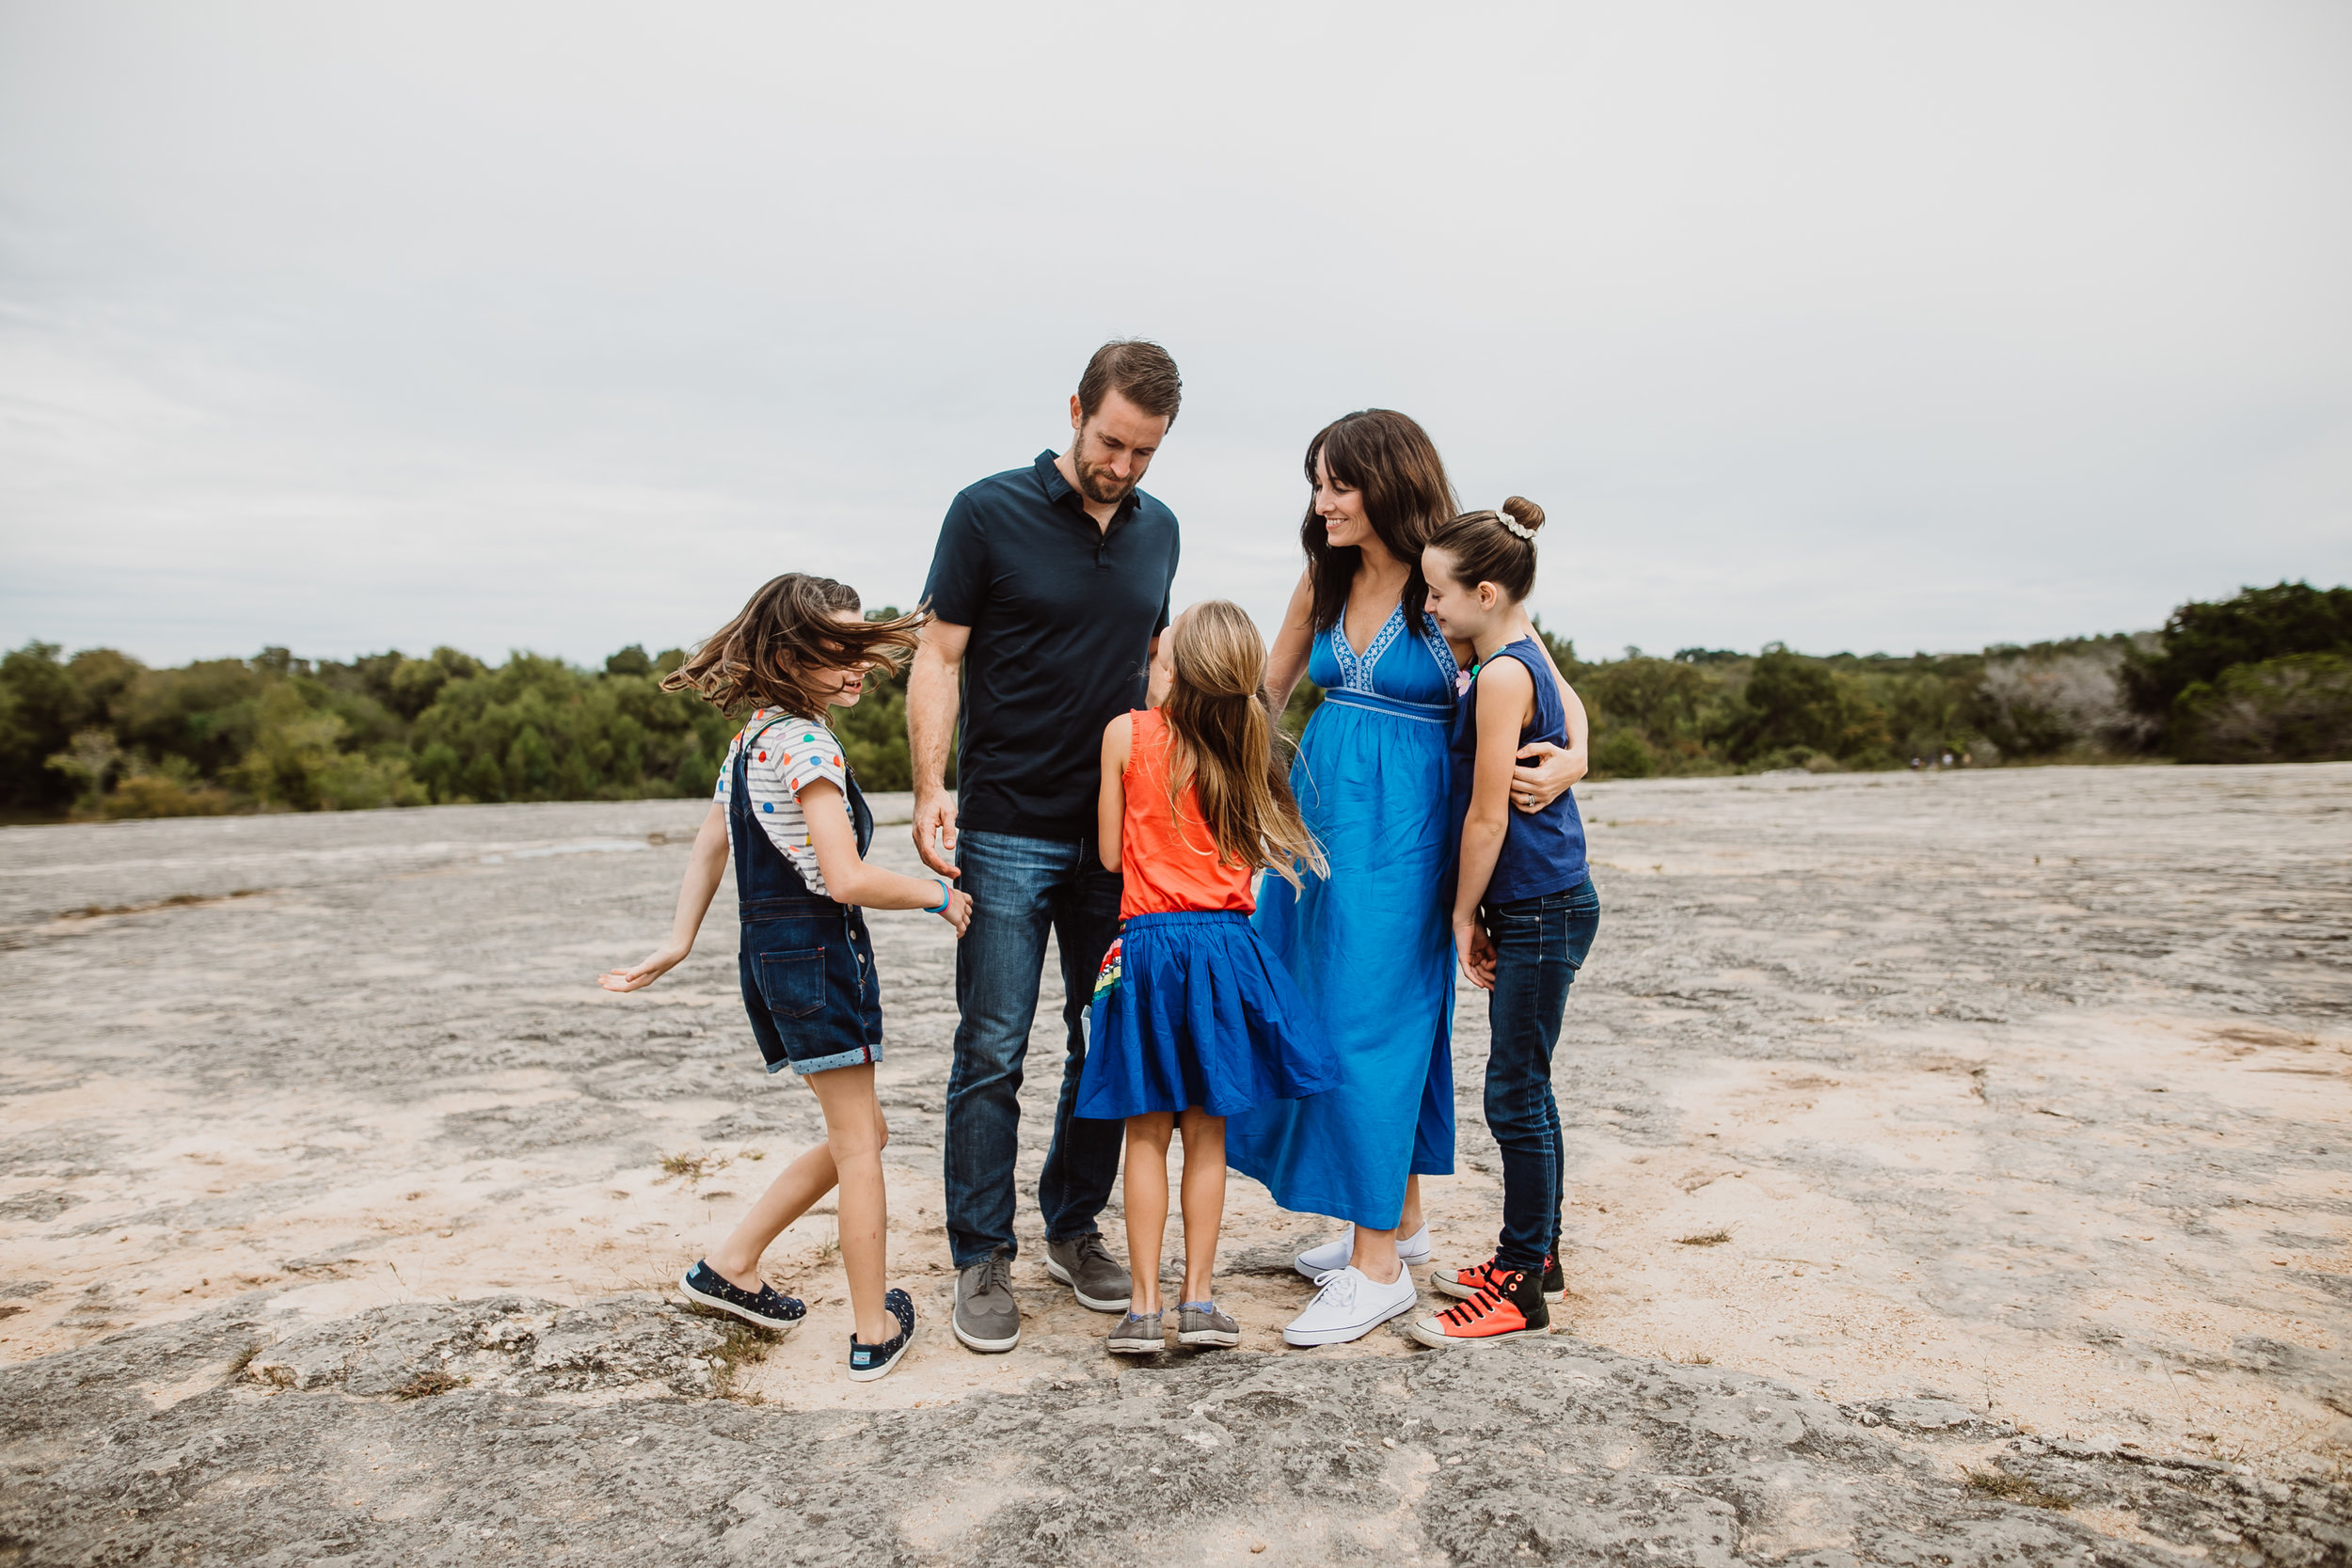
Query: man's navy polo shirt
[[1062, 617]]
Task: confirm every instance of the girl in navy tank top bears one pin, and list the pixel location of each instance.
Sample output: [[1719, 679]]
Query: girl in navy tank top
[[1524, 910]]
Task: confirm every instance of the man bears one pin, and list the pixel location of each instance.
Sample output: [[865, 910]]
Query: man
[[1048, 591]]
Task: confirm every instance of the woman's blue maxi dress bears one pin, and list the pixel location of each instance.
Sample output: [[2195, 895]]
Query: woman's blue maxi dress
[[1371, 947]]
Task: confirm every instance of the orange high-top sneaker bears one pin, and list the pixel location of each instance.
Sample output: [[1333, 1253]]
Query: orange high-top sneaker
[[1466, 1283], [1512, 1305]]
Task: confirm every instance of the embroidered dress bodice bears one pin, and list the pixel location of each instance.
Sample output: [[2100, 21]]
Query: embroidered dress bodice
[[1380, 671]]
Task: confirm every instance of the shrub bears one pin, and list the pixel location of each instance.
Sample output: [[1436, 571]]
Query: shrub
[[37, 718], [2199, 640], [1622, 754], [168, 788], [2297, 708], [2058, 697], [1790, 704]]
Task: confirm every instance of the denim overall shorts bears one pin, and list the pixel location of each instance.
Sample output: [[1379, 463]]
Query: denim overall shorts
[[807, 963]]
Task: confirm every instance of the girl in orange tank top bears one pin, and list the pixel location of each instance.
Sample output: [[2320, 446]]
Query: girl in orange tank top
[[1194, 1019], [1167, 852]]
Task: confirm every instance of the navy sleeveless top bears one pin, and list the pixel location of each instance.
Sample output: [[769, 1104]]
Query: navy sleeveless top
[[1542, 851]]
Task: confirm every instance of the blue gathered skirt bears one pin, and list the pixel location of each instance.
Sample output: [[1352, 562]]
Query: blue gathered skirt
[[1194, 1010]]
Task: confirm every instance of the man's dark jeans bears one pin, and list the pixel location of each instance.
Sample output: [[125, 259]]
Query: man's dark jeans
[[1021, 889], [1539, 945]]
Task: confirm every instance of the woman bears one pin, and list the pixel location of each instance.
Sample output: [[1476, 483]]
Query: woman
[[1369, 945]]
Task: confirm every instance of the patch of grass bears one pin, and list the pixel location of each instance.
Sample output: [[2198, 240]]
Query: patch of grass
[[2012, 1489], [1716, 1237], [745, 1346], [1696, 1358], [694, 1168], [427, 1383], [244, 1359]]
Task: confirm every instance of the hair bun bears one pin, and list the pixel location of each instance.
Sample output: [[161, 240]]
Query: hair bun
[[1523, 511]]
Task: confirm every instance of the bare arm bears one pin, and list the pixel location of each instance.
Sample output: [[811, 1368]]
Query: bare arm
[[849, 881], [1537, 788], [1110, 801], [1286, 660], [1504, 690], [934, 692], [706, 865]]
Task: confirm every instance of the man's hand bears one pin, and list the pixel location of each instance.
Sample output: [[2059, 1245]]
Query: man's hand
[[932, 697], [935, 832], [1534, 788]]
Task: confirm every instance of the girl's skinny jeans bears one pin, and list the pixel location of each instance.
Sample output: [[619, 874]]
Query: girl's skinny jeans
[[1539, 944]]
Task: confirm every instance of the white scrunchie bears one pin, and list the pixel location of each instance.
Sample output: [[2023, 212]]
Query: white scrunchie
[[1513, 525]]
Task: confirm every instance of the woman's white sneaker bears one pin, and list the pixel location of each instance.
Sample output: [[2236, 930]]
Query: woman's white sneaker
[[1351, 1305], [1317, 1261]]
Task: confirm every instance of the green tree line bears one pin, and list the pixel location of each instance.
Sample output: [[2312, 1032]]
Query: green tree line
[[2263, 677], [101, 736]]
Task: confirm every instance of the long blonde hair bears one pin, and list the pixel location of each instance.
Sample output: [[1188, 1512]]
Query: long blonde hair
[[1224, 743]]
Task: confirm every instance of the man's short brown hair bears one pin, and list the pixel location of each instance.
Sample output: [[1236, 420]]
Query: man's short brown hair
[[1137, 369]]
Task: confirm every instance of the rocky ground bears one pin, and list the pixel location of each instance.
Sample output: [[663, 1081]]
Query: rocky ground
[[1958, 1170]]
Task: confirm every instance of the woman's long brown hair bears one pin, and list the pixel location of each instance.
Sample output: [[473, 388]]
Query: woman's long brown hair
[[790, 630], [1392, 461], [1225, 744]]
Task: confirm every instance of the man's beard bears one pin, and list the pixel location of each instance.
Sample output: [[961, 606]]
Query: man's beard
[[1097, 484]]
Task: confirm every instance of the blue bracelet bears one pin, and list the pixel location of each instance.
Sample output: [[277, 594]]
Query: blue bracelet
[[939, 907]]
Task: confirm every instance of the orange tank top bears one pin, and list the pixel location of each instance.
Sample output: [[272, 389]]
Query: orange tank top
[[1169, 861]]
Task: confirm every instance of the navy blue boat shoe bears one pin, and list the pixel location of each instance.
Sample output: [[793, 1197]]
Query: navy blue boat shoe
[[869, 1362], [764, 1309]]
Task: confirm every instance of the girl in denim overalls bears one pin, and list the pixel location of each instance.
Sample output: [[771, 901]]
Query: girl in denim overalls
[[797, 827]]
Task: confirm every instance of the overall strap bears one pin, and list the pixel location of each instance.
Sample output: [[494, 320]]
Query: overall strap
[[861, 815], [751, 735]]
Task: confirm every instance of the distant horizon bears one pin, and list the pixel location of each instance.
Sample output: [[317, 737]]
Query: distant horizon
[[654, 649]]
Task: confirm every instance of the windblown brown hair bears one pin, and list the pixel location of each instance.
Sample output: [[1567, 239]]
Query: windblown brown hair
[[1224, 743], [1137, 369], [764, 656], [1484, 551], [1392, 461]]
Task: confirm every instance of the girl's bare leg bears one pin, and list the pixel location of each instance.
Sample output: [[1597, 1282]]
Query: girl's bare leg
[[1205, 1199], [1374, 1251], [855, 1132], [1144, 1194], [787, 1197]]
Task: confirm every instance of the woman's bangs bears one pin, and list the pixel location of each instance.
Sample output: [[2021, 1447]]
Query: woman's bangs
[[1348, 466]]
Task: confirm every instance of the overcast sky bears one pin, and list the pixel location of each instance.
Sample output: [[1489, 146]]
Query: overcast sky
[[1869, 325]]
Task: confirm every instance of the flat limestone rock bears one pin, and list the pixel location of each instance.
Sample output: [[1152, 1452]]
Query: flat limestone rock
[[339, 1439], [1955, 1175], [638, 1342]]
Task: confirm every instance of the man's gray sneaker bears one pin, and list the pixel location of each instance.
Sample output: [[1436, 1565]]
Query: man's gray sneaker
[[987, 1318], [1137, 1334], [1086, 1266], [1208, 1329]]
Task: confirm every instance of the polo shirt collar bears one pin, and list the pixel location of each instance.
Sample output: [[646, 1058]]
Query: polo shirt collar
[[1060, 492]]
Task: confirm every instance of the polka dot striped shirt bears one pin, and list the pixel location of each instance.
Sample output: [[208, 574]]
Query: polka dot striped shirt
[[791, 754]]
